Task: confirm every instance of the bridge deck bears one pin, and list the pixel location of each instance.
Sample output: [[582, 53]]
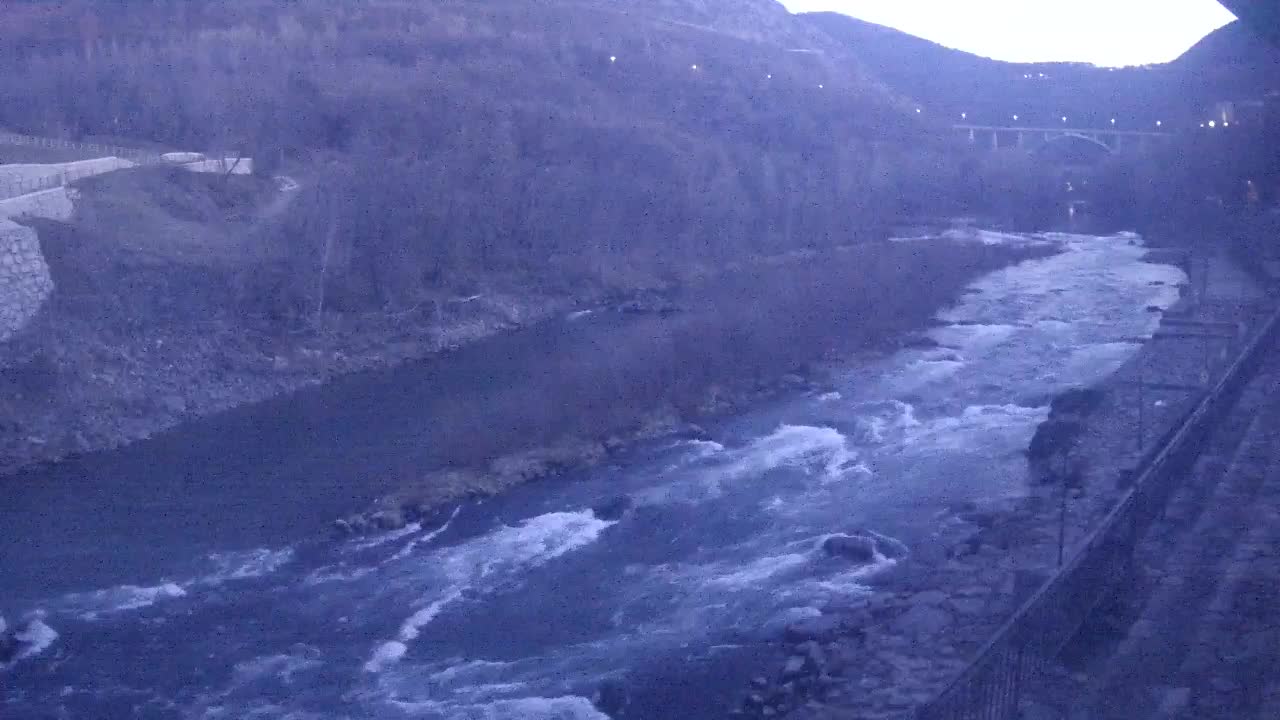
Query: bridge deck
[[1062, 130]]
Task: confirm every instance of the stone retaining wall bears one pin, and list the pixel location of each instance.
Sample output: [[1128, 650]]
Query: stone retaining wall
[[25, 282]]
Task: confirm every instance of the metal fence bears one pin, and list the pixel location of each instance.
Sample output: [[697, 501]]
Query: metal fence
[[1025, 646]]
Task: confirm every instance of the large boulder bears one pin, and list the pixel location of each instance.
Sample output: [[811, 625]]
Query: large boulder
[[863, 546], [858, 548], [1052, 438], [1076, 402]]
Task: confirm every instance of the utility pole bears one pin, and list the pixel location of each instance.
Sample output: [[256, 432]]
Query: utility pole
[[1142, 402], [1206, 374], [1062, 512]]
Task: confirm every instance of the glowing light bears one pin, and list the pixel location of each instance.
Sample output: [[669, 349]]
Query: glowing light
[[1064, 118], [1113, 121], [1159, 123], [821, 86], [613, 58], [1201, 124], [769, 76], [1226, 124], [693, 67], [964, 116], [1015, 117], [917, 111], [1213, 124]]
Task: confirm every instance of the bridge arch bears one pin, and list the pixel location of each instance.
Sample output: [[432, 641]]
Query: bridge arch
[[1072, 148], [1076, 137]]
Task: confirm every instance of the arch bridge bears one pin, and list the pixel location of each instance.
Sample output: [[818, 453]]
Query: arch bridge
[[1107, 140]]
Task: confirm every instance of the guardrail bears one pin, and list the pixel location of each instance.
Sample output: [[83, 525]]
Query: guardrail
[[100, 150], [15, 188], [991, 686]]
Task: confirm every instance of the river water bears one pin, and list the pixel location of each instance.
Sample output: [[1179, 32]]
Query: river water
[[520, 607]]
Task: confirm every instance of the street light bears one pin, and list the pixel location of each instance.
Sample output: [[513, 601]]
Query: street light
[[613, 58], [1213, 124], [964, 116], [1015, 118], [1113, 121], [1159, 123], [693, 67], [1064, 119], [917, 111]]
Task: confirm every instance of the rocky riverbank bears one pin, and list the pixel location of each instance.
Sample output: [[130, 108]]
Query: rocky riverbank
[[882, 655]]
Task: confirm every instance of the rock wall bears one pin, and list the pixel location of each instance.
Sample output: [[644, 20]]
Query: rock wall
[[25, 282]]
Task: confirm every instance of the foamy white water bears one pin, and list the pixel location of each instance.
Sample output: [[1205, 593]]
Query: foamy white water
[[35, 637], [501, 553], [120, 599], [245, 565]]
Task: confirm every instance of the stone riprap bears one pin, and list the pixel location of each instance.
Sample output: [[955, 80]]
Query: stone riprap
[[25, 282]]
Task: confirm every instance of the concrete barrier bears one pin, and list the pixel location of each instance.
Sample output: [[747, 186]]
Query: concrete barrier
[[55, 204]]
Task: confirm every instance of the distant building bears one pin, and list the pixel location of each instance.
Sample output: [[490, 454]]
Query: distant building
[[1239, 112]]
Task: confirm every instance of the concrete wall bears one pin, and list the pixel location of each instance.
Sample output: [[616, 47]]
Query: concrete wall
[[25, 282], [20, 179], [54, 204]]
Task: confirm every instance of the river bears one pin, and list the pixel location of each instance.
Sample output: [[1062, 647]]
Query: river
[[164, 581]]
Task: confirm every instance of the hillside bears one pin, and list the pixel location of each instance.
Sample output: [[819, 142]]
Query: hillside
[[1229, 62], [1232, 62], [614, 142]]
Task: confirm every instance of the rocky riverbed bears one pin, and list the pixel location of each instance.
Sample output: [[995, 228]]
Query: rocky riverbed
[[880, 657]]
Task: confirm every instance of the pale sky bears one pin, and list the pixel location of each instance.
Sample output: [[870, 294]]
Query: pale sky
[[1103, 32]]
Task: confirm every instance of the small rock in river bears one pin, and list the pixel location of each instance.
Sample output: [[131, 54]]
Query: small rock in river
[[611, 698], [794, 667], [821, 629], [389, 519], [613, 508]]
